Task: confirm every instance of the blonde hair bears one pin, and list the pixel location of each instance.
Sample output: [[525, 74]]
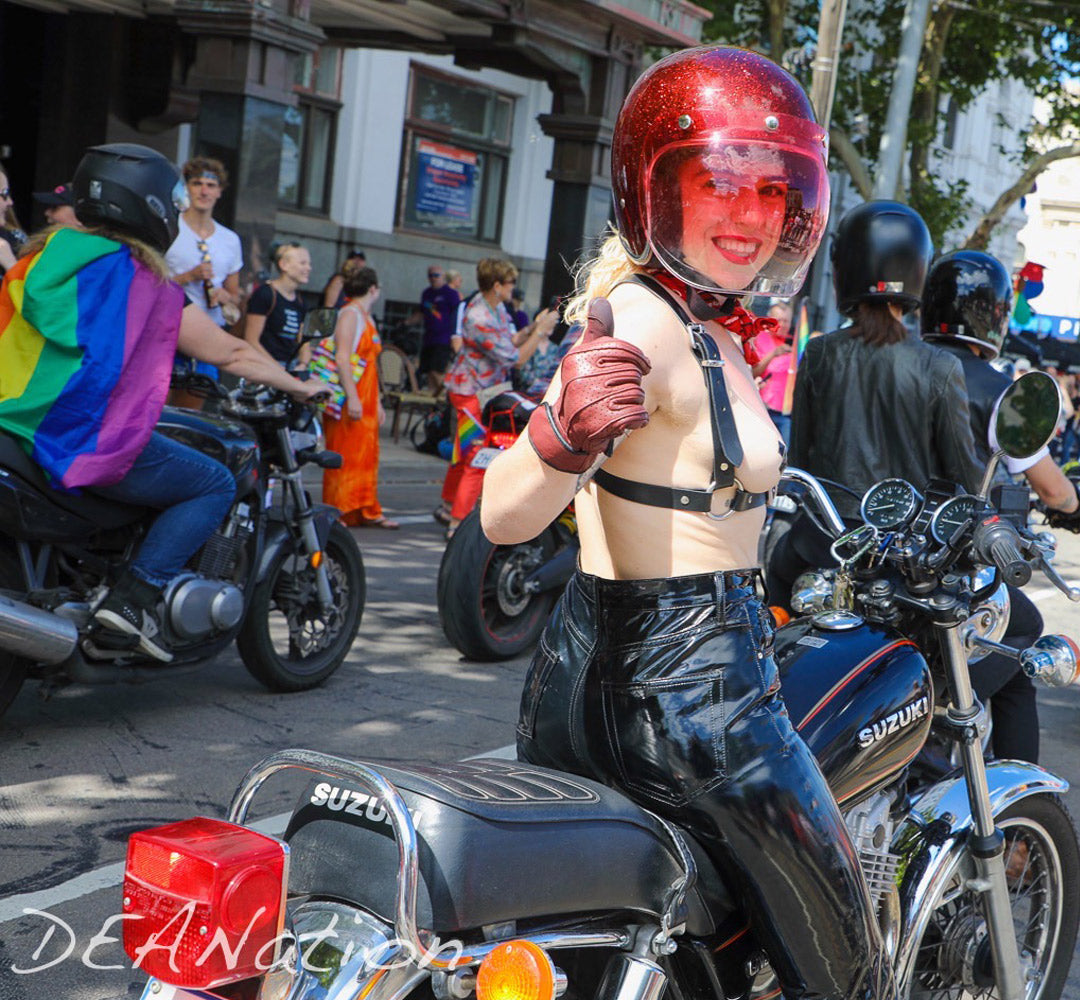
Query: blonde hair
[[142, 252], [597, 276]]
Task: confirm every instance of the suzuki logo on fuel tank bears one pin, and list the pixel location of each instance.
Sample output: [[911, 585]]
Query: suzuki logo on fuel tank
[[894, 721]]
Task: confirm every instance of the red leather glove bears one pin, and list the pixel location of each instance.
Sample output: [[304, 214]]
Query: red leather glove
[[600, 398]]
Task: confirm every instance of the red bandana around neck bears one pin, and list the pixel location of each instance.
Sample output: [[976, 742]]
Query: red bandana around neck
[[740, 322]]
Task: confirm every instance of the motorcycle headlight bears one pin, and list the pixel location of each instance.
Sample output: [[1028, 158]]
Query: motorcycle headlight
[[812, 592]]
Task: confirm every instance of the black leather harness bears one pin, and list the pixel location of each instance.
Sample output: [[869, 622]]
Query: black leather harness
[[727, 448]]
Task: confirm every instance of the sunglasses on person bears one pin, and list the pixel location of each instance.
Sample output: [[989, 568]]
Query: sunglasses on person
[[5, 193], [434, 274]]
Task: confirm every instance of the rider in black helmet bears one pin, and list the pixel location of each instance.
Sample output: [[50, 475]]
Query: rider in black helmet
[[129, 197], [966, 309], [872, 401]]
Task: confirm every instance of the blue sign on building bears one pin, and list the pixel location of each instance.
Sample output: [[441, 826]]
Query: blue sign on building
[[446, 181], [1042, 325]]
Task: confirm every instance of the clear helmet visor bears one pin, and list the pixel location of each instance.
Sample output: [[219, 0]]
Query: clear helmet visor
[[180, 198], [737, 215]]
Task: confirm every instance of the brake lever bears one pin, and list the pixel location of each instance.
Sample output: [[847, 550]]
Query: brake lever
[[1044, 551]]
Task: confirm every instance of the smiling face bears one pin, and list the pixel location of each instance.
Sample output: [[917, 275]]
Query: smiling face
[[732, 216], [295, 263]]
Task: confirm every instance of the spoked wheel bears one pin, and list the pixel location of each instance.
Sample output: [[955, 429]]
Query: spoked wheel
[[953, 960], [486, 611], [288, 642]]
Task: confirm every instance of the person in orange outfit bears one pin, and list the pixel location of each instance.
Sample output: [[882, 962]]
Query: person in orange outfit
[[355, 433]]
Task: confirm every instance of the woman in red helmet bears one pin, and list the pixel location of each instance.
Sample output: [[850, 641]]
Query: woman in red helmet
[[655, 672]]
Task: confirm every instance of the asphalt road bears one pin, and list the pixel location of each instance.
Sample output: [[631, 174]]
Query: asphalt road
[[80, 772]]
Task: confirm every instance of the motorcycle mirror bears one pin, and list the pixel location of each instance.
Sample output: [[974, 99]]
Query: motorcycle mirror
[[318, 325], [1027, 414]]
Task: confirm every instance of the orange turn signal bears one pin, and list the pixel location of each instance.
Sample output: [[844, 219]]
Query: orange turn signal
[[517, 970], [779, 614], [316, 560]]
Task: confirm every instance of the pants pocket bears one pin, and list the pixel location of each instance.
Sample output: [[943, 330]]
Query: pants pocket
[[537, 682], [666, 737]]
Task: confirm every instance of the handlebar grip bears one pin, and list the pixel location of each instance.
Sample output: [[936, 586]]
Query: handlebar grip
[[996, 542]]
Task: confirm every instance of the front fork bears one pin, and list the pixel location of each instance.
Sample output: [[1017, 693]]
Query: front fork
[[986, 842], [290, 475]]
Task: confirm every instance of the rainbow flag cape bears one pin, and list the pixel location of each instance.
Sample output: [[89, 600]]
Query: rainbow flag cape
[[798, 346], [87, 338], [470, 433]]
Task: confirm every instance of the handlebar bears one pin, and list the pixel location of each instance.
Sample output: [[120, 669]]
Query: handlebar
[[821, 499], [996, 542]]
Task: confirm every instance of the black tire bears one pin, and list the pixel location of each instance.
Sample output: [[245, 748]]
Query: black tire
[[12, 668], [1046, 909], [483, 610], [285, 641]]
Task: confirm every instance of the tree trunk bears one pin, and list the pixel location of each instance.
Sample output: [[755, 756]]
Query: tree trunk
[[845, 149], [980, 235], [777, 14], [924, 107]]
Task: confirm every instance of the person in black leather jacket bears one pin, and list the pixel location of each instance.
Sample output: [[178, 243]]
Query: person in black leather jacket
[[872, 400], [966, 308]]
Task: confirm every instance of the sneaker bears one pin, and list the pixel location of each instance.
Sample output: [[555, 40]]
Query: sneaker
[[121, 612]]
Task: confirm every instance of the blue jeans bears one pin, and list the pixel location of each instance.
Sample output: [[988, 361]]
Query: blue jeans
[[193, 493], [783, 425]]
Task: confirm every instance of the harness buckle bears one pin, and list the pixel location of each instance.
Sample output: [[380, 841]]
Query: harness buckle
[[706, 363]]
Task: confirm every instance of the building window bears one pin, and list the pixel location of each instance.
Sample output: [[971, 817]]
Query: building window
[[454, 157], [307, 150]]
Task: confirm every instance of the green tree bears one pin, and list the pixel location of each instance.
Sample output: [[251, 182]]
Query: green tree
[[967, 46]]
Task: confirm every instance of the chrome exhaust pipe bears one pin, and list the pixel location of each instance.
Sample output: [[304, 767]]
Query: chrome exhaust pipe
[[34, 634]]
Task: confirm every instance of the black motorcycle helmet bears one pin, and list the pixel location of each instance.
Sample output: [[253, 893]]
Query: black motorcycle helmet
[[881, 253], [130, 188], [968, 297]]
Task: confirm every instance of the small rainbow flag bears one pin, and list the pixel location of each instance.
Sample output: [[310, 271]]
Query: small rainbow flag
[[87, 338], [798, 346], [470, 433]]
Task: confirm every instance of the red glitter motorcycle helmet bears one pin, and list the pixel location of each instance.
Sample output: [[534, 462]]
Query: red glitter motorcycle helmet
[[719, 172]]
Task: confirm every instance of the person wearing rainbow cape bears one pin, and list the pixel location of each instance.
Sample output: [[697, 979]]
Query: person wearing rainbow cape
[[89, 324]]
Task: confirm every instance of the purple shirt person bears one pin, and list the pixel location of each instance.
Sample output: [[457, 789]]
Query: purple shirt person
[[438, 304]]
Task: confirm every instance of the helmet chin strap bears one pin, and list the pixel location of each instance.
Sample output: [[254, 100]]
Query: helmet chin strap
[[707, 306]]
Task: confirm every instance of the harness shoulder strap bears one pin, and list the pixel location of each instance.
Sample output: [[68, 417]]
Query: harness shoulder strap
[[727, 448]]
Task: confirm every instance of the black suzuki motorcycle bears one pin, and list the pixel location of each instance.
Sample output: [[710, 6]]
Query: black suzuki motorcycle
[[281, 575], [514, 882]]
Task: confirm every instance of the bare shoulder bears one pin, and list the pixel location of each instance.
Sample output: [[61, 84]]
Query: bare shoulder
[[646, 322]]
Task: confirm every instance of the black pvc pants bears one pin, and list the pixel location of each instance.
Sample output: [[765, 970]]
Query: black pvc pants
[[667, 689], [997, 679]]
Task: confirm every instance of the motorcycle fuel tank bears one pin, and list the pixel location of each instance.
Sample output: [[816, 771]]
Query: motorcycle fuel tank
[[862, 698], [230, 442]]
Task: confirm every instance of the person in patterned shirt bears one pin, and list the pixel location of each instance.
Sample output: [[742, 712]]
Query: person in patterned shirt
[[490, 349]]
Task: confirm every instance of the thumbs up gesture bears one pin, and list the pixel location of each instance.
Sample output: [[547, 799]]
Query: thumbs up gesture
[[600, 396]]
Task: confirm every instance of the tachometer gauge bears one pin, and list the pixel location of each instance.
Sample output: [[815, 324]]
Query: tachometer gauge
[[890, 503], [951, 516]]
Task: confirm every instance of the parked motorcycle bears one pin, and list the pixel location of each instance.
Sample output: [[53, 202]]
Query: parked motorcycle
[[493, 600], [514, 882], [281, 575]]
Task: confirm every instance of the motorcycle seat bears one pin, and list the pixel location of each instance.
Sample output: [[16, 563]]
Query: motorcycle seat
[[101, 513], [498, 841]]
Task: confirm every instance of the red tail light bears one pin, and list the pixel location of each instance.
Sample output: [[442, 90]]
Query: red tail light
[[501, 439], [210, 901]]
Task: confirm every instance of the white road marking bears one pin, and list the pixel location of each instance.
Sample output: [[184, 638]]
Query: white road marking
[[112, 876]]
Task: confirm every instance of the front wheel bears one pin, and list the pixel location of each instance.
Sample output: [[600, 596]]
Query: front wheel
[[485, 610], [953, 960], [288, 642]]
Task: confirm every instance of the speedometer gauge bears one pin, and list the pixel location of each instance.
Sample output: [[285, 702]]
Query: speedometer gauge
[[951, 516], [890, 503]]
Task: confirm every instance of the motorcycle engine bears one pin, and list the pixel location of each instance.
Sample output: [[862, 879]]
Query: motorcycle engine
[[197, 607], [871, 829]]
